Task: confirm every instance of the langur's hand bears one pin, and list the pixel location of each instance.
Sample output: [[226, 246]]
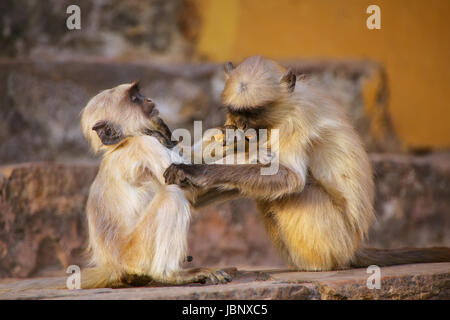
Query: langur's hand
[[184, 175]]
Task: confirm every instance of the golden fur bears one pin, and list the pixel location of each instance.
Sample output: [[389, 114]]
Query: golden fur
[[319, 226], [318, 207]]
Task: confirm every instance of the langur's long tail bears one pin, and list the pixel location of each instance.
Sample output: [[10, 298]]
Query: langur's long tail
[[365, 257], [97, 277], [101, 277], [89, 278]]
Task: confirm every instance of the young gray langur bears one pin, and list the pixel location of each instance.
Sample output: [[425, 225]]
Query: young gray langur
[[137, 224]]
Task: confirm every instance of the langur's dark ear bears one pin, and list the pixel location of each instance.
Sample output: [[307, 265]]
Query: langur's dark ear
[[228, 67], [134, 85], [133, 91], [108, 132], [289, 79]]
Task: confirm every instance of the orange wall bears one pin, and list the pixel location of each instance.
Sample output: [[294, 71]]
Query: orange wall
[[413, 44]]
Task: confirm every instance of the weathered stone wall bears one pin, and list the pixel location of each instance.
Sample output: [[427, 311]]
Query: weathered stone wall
[[412, 201], [152, 29], [42, 219]]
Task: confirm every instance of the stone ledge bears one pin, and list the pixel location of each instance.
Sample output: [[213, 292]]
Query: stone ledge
[[416, 281]]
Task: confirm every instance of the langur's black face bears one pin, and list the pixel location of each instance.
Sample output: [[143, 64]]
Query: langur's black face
[[136, 99]]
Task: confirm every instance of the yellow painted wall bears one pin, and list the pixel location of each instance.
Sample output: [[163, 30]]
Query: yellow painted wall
[[413, 44]]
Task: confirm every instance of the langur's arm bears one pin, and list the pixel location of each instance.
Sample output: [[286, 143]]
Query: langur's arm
[[247, 178], [213, 196]]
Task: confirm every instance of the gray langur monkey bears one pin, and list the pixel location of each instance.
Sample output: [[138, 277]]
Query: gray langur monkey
[[137, 224]]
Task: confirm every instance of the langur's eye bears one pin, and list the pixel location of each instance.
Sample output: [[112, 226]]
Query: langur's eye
[[134, 98], [108, 132]]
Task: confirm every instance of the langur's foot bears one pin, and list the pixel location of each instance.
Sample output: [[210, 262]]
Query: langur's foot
[[202, 275]]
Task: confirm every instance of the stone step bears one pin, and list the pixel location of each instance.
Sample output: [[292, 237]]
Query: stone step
[[40, 100], [415, 281], [43, 229]]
